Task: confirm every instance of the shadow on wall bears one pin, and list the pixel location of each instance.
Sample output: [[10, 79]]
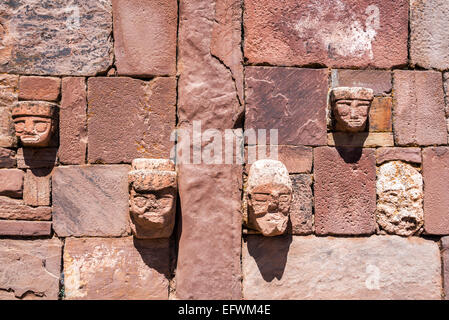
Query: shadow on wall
[[350, 154], [270, 254]]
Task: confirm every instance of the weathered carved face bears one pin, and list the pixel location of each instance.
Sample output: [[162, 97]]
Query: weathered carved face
[[400, 198], [152, 201], [269, 197], [350, 108]]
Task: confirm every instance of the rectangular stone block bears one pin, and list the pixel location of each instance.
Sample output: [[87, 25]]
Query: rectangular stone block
[[7, 158], [11, 183], [25, 228], [301, 210], [15, 209], [380, 114], [351, 33], [90, 201], [28, 158], [37, 187], [73, 121], [404, 154], [429, 34], [377, 80], [291, 100], [116, 269], [378, 267], [360, 139], [418, 116], [129, 118], [8, 97], [436, 181], [445, 259], [345, 191], [30, 270], [39, 88], [44, 37], [209, 261], [145, 34]]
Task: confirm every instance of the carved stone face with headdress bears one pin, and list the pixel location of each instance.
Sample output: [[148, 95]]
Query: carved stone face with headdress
[[269, 197], [153, 188], [350, 108], [34, 122]]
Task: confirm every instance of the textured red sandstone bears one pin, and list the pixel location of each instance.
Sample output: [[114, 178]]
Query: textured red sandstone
[[291, 100], [436, 180], [116, 269], [404, 154], [36, 158], [39, 88], [24, 228], [7, 158], [129, 118], [30, 269], [419, 117], [11, 183], [352, 33], [15, 209], [380, 114], [73, 121], [8, 97], [36, 190], [301, 209], [145, 37], [345, 191], [445, 258], [377, 80]]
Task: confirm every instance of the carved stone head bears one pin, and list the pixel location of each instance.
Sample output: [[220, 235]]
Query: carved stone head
[[350, 108], [153, 188], [400, 198], [34, 122], [269, 197]]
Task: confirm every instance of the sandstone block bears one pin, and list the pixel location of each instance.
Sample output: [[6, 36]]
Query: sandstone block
[[56, 38], [36, 158], [301, 210], [354, 33], [436, 180], [8, 97], [11, 183], [345, 191], [116, 269], [7, 158], [412, 155], [378, 267], [418, 116], [73, 121], [129, 118], [15, 209], [25, 228], [37, 187], [380, 114], [39, 88], [360, 139], [445, 258], [377, 80], [145, 34], [30, 269], [290, 100], [90, 201]]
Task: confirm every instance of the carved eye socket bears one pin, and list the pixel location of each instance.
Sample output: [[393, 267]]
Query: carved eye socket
[[284, 198], [414, 194], [41, 126], [343, 109], [20, 126], [261, 197], [140, 202]]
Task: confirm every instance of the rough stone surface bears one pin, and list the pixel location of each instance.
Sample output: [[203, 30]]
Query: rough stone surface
[[418, 113], [11, 183], [73, 121], [30, 269], [377, 80], [301, 209], [7, 158], [345, 191], [56, 38], [129, 118], [297, 159], [353, 33], [436, 201], [37, 158], [209, 63], [361, 139], [116, 269], [37, 187], [378, 267], [399, 198], [25, 228], [445, 258], [412, 155], [90, 201], [8, 97], [380, 114], [39, 88], [15, 209], [209, 261], [288, 99], [145, 37], [429, 34]]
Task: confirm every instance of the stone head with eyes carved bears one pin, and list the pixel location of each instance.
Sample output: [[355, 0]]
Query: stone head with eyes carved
[[350, 108], [34, 122], [153, 189], [269, 197], [400, 198]]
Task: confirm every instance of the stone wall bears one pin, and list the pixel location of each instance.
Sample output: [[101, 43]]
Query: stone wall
[[369, 216]]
